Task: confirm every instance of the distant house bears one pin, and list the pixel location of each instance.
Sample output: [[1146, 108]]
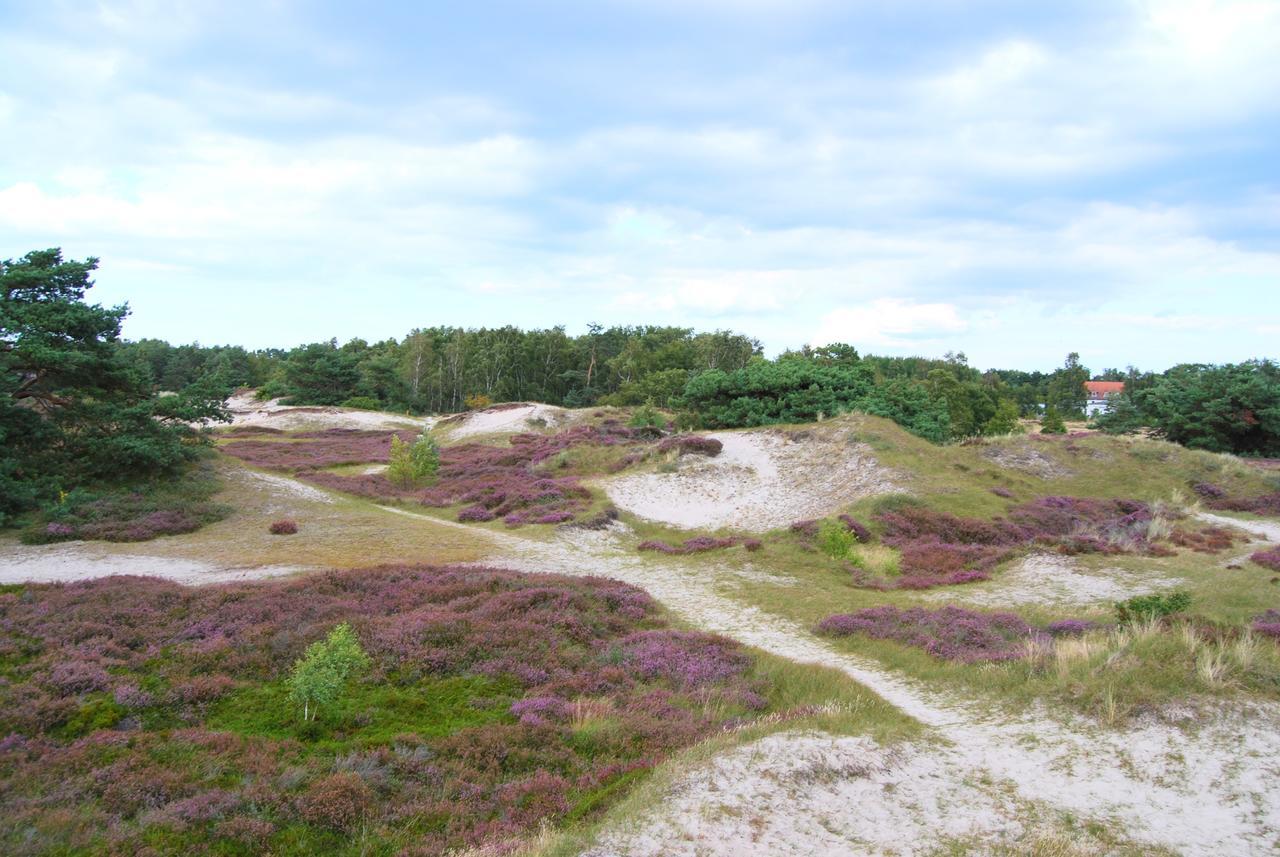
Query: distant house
[[1098, 392]]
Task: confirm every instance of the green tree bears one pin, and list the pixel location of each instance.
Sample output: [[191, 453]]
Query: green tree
[[1052, 422], [414, 464], [73, 410], [1004, 420], [1230, 408], [1066, 392], [321, 674]]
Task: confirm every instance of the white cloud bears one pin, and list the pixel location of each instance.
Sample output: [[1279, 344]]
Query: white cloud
[[890, 323]]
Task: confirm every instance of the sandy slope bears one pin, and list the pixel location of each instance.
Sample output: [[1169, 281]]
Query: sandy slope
[[761, 480], [506, 420], [245, 410]]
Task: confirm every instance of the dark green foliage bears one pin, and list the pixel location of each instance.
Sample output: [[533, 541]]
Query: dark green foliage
[[1230, 408], [1065, 391], [1052, 422], [1121, 416], [73, 412], [1142, 607]]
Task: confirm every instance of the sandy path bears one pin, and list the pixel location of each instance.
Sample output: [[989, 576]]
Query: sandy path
[[1047, 579], [83, 560], [1214, 793], [761, 480]]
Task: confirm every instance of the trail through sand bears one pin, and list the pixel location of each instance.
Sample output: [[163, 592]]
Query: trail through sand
[[761, 480], [1213, 792], [82, 561]]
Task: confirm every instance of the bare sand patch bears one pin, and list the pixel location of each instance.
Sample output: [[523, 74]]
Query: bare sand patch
[[80, 561], [1026, 459], [1050, 579], [803, 793], [761, 480], [245, 410], [507, 420]]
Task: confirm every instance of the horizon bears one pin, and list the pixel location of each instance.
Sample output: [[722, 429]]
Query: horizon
[[1013, 183]]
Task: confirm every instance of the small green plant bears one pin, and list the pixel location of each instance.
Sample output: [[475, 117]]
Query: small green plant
[[835, 539], [415, 464], [320, 675], [647, 416], [1147, 607]]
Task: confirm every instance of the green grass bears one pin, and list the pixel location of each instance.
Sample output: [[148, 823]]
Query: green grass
[[368, 714]]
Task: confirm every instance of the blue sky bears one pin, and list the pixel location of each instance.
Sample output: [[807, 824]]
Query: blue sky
[[1014, 180]]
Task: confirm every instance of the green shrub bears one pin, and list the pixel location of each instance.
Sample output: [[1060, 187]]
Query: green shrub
[[835, 539], [320, 675], [1155, 606], [364, 403], [647, 416], [413, 465], [1051, 422]]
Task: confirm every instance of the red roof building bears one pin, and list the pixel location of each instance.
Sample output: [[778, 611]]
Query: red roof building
[[1098, 392]]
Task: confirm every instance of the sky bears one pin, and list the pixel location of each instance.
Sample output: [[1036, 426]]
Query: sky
[[1013, 180]]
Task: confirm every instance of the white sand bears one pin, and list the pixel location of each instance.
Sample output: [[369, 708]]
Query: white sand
[[247, 411], [1052, 579], [70, 561], [507, 420], [811, 793], [761, 480]]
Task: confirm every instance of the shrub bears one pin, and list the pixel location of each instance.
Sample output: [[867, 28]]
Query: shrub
[[1267, 558], [319, 676], [1070, 627], [861, 533], [950, 633], [339, 801], [283, 527], [691, 445], [1268, 624], [363, 403], [477, 402], [1051, 422], [646, 416], [413, 465], [1155, 606], [1001, 491], [697, 544], [835, 539]]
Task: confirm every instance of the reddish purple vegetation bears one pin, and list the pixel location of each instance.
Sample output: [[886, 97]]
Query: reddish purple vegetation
[[688, 444], [1208, 490], [942, 549], [283, 527], [753, 545], [1263, 504], [950, 633], [1267, 558], [99, 764], [697, 544], [807, 527], [491, 481], [860, 532], [1001, 491], [1208, 540], [317, 449], [1268, 624]]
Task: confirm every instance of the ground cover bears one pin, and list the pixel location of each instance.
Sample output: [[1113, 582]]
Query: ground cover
[[142, 714]]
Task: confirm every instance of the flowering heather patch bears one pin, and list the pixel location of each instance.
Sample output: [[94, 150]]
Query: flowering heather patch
[[138, 711], [1264, 504], [317, 449], [860, 532], [1070, 627], [697, 544], [1268, 624], [490, 481], [1267, 558], [950, 633], [940, 549], [1001, 491], [1208, 540], [283, 527], [808, 527], [1208, 490], [688, 444], [179, 506]]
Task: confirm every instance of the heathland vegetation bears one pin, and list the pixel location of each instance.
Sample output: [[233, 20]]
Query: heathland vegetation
[[395, 708]]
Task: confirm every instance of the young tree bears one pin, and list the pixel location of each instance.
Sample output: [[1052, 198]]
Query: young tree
[[1066, 391], [1052, 422], [415, 464], [320, 675]]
